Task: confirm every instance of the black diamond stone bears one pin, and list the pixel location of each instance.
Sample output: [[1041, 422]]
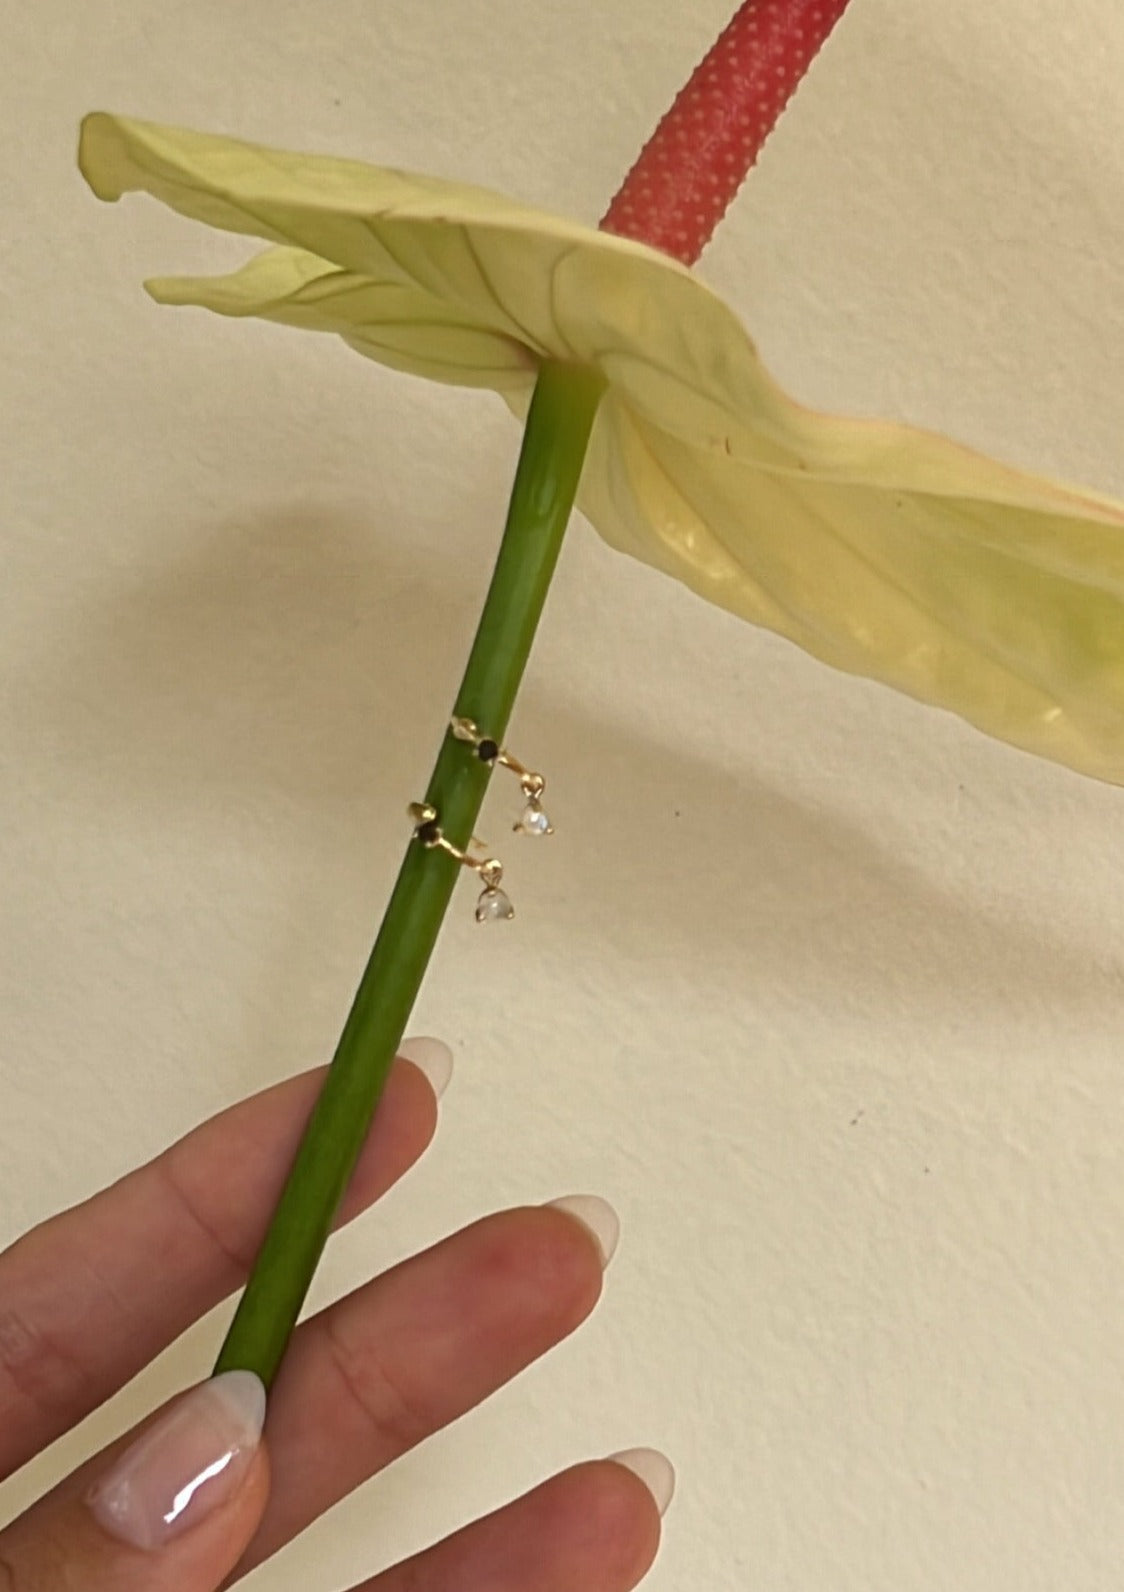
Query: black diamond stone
[[487, 751], [429, 834]]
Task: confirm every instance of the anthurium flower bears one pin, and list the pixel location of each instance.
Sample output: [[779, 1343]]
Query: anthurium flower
[[885, 551], [882, 550], [430, 283]]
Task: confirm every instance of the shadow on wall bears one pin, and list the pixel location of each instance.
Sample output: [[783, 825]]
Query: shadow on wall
[[291, 663]]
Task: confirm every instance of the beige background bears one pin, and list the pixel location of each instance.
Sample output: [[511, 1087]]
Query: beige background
[[822, 989]]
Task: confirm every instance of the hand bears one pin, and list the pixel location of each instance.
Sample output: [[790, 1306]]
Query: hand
[[197, 1495]]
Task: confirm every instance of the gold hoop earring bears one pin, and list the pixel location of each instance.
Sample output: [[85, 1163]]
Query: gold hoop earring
[[534, 820], [493, 905]]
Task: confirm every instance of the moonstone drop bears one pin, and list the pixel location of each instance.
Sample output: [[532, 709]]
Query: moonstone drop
[[534, 821], [494, 906]]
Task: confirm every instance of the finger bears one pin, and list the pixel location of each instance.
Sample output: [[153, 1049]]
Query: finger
[[374, 1374], [596, 1527], [168, 1509], [92, 1295]]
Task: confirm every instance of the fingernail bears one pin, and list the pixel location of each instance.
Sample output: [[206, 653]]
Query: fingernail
[[654, 1469], [193, 1459], [431, 1056], [598, 1216]]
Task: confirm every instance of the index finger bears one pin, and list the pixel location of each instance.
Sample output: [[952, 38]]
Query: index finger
[[89, 1297]]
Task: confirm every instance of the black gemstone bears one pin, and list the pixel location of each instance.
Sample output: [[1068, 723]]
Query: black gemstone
[[487, 751], [429, 834]]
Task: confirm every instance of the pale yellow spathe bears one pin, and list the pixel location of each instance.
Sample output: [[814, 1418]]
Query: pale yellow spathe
[[883, 550]]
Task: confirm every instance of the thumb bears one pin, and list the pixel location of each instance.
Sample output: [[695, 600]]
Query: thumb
[[169, 1510]]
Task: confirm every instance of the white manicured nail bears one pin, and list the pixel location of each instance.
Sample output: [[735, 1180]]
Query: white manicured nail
[[431, 1056], [596, 1214], [192, 1459], [654, 1469]]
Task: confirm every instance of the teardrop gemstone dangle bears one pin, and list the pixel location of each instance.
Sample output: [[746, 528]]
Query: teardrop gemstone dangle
[[534, 820], [494, 905]]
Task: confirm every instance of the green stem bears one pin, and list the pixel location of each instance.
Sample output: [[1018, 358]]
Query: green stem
[[554, 444]]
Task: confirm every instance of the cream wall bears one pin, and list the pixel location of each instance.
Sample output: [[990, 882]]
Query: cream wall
[[822, 989]]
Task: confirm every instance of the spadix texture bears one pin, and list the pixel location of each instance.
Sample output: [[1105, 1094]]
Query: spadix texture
[[885, 551]]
